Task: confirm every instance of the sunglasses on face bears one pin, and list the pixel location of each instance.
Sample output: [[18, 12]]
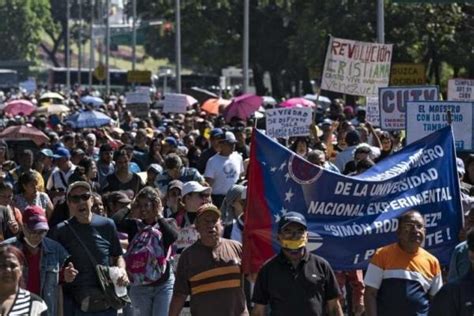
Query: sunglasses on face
[[81, 197]]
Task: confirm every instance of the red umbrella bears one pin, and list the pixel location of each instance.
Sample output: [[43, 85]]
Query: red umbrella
[[302, 102], [22, 132], [212, 106], [242, 107], [19, 107]]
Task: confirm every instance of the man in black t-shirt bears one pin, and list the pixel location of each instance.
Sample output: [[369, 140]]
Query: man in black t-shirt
[[99, 235], [296, 282]]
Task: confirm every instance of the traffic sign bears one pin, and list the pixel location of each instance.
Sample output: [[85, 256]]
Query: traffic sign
[[100, 72]]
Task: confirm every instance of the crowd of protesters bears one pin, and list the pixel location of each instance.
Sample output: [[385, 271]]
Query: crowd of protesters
[[185, 175]]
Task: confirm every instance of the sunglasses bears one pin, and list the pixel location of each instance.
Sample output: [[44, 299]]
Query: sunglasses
[[77, 198]]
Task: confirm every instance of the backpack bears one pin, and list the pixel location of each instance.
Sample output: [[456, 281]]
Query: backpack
[[145, 257]]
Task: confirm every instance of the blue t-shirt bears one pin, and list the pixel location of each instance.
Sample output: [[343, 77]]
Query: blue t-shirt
[[100, 237]]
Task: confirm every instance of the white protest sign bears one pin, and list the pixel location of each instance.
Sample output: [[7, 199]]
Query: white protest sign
[[287, 122], [372, 114], [356, 68], [393, 100], [137, 97], [424, 118], [460, 90], [175, 103]]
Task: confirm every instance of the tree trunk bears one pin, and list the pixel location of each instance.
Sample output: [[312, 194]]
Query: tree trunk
[[276, 84], [258, 79]]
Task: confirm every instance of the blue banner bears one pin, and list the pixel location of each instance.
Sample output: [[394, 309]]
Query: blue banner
[[350, 217]]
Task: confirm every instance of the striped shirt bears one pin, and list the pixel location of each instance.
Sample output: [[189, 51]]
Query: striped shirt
[[27, 303], [404, 280]]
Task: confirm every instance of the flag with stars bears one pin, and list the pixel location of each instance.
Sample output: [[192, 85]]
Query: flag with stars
[[350, 217]]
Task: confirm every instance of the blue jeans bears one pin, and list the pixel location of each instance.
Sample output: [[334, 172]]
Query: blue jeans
[[152, 300]]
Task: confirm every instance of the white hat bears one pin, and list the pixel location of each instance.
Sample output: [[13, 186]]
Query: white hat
[[193, 186]]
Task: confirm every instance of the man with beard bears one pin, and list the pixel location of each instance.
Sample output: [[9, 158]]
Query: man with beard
[[296, 282], [402, 277], [210, 271]]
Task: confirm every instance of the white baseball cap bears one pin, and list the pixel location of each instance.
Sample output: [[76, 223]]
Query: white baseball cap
[[193, 186]]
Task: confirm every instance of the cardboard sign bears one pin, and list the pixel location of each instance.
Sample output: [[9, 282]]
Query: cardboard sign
[[288, 122], [392, 101], [175, 103], [137, 98], [356, 68], [424, 118], [460, 90], [408, 75], [372, 112]]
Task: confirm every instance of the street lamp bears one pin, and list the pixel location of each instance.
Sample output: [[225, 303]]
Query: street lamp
[[245, 61], [134, 34], [67, 56], [178, 45]]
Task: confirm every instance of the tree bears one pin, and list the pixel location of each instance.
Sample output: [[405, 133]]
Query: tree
[[20, 24]]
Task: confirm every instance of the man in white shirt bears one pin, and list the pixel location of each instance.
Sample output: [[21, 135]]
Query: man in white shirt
[[58, 180], [224, 169]]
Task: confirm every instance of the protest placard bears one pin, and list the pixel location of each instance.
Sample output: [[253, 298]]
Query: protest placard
[[284, 123], [372, 113], [407, 74], [138, 103], [426, 117], [348, 218], [356, 68], [175, 103], [460, 90], [141, 97], [392, 102]]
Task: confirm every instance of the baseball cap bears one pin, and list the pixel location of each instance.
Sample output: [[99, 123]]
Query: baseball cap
[[34, 217], [291, 217], [175, 184], [229, 138], [171, 141], [47, 152], [193, 186], [155, 168], [208, 207], [216, 132], [78, 184], [120, 197], [62, 152], [460, 166]]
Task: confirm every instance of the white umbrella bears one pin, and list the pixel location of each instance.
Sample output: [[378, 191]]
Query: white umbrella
[[53, 109], [321, 100]]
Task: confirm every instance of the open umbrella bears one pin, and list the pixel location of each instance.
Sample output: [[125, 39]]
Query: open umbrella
[[295, 102], [212, 106], [24, 132], [19, 107], [51, 95], [200, 94], [242, 106], [52, 109], [88, 119], [95, 101], [321, 100]]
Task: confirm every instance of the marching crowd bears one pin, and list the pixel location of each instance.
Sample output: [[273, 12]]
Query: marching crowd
[[162, 199]]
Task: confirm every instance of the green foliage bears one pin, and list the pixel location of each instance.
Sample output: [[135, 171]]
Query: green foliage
[[288, 38], [21, 22]]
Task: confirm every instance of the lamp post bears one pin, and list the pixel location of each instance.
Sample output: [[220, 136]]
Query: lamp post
[[245, 61], [178, 45], [79, 45], [107, 47], [134, 34], [67, 55], [92, 45], [380, 22]]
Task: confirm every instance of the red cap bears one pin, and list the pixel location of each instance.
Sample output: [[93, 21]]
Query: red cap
[[34, 217]]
